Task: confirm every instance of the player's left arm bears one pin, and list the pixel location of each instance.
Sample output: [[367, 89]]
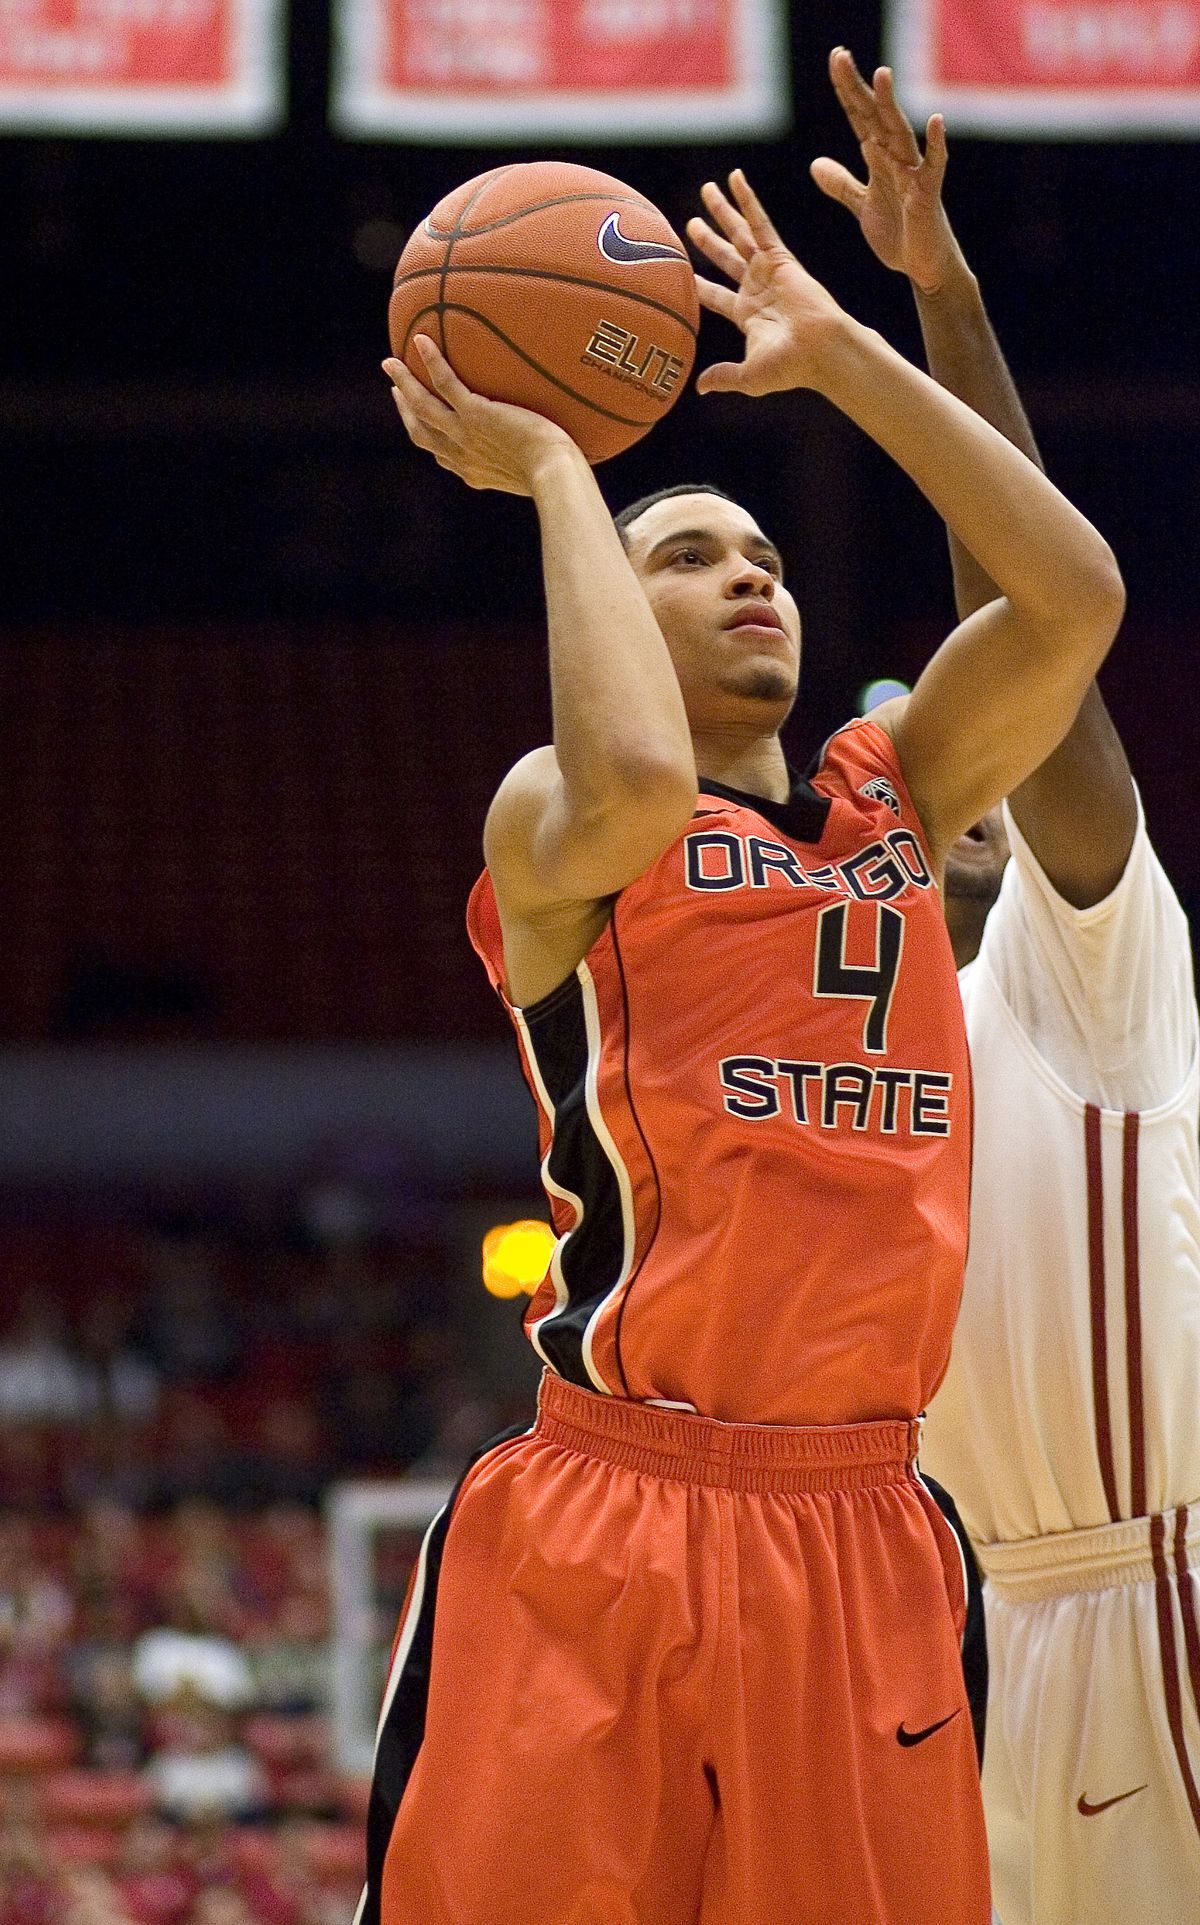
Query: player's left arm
[[1005, 686], [1078, 811]]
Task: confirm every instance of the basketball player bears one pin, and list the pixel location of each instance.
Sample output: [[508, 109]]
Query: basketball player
[[1067, 1424], [687, 1653]]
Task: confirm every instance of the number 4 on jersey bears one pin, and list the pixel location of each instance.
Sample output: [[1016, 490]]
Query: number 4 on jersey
[[834, 976]]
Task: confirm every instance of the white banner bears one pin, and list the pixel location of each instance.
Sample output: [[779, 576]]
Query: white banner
[[1083, 69], [141, 66], [645, 70]]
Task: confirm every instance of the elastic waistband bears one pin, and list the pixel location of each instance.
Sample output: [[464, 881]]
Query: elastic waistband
[[1135, 1551], [689, 1449]]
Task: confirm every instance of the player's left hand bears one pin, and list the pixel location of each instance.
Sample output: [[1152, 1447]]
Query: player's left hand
[[899, 206], [787, 317]]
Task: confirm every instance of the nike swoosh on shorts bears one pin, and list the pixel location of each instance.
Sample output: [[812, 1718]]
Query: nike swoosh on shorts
[[1089, 1811], [907, 1738]]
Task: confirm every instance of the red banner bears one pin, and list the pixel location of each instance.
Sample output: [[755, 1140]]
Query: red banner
[[1084, 68], [461, 70], [141, 66]]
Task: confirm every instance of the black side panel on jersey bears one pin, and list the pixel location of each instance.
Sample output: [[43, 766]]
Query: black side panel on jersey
[[404, 1727], [594, 1252]]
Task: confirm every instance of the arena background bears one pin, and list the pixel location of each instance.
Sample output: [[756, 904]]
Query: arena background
[[261, 667]]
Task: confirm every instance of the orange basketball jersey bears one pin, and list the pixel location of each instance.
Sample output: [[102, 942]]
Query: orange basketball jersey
[[755, 1112]]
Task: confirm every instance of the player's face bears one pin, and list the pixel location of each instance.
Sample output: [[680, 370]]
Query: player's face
[[715, 584], [975, 863]]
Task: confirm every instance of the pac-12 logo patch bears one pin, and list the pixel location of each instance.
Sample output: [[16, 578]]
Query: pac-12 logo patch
[[880, 790]]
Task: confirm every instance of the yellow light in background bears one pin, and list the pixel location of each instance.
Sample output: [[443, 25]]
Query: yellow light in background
[[516, 1257]]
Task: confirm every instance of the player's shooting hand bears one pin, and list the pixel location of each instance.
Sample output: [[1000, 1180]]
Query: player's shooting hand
[[488, 444], [899, 205], [786, 316]]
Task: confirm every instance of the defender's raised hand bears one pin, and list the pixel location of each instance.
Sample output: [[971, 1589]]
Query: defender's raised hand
[[899, 206], [786, 316]]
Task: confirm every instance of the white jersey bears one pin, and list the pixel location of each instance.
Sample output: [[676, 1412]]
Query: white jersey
[[1073, 1390], [1067, 1423]]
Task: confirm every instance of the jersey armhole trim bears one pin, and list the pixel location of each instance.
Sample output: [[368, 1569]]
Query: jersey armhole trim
[[1062, 1089], [544, 1005], [1081, 919]]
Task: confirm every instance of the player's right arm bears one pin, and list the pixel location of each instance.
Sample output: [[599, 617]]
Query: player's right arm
[[1078, 811], [571, 824]]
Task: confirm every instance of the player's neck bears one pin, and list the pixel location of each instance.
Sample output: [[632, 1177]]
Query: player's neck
[[754, 763]]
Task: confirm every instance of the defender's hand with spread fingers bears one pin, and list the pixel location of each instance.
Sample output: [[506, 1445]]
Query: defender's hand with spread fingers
[[899, 205]]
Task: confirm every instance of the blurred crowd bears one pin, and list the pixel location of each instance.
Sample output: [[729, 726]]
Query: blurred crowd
[[157, 1363], [175, 1399], [164, 1754]]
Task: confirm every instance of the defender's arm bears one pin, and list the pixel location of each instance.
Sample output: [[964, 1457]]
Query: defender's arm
[[1078, 811], [1005, 686]]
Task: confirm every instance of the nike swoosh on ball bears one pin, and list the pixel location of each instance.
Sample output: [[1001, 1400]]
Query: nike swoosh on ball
[[614, 246]]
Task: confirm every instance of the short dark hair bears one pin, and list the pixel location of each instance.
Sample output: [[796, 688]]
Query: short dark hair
[[630, 514]]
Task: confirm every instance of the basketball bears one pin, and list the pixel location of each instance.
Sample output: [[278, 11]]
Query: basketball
[[558, 288]]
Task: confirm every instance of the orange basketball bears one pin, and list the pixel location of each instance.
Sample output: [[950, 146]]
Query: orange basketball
[[558, 288]]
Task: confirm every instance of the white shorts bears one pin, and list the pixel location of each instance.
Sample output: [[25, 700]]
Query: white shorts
[[1091, 1774]]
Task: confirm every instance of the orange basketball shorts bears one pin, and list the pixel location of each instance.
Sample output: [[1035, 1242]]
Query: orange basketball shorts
[[659, 1670]]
